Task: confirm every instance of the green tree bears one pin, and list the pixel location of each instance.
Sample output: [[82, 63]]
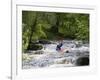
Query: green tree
[[51, 25]]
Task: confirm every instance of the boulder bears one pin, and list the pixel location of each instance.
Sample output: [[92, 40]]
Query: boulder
[[67, 51], [78, 44], [44, 42], [35, 47], [82, 61], [26, 57], [60, 61], [39, 52]]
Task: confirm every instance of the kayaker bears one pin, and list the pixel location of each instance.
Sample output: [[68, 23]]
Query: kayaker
[[58, 47]]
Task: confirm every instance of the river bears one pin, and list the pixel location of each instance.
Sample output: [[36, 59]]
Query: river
[[50, 57]]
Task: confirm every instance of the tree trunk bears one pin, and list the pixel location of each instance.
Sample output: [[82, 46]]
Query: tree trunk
[[32, 30]]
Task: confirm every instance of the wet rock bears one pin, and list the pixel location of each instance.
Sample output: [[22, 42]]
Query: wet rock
[[29, 51], [67, 51], [82, 61], [35, 47], [60, 61], [35, 42], [26, 57], [78, 54], [39, 52], [42, 63], [44, 42], [78, 44]]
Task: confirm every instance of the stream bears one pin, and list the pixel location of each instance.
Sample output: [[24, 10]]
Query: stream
[[50, 57]]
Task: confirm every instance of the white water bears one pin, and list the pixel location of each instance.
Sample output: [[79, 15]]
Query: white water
[[53, 58]]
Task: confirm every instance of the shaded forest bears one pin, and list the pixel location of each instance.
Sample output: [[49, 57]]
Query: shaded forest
[[53, 26]]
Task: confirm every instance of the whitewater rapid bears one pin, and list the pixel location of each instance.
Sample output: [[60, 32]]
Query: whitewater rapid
[[52, 58]]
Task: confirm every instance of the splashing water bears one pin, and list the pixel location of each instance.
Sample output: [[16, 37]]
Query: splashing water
[[53, 58]]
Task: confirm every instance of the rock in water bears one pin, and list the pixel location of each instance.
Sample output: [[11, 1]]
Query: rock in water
[[82, 61], [44, 42], [39, 52], [35, 47], [67, 51], [60, 61]]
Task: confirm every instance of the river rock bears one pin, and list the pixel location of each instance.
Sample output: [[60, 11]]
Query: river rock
[[82, 61], [44, 42], [39, 52], [35, 47], [60, 61]]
